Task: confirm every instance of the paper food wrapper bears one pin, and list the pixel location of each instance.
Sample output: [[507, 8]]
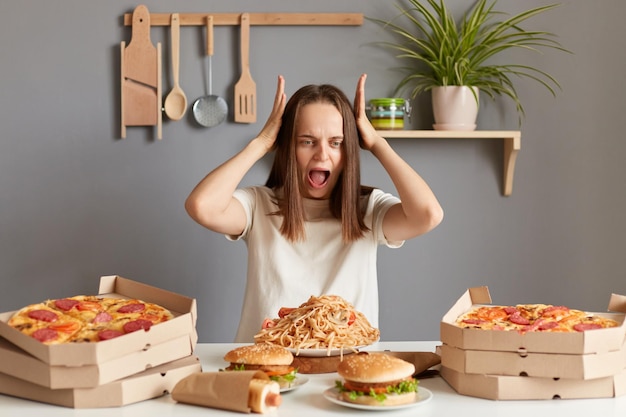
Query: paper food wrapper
[[422, 360], [225, 390]]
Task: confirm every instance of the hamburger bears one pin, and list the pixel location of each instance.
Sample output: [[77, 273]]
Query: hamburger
[[376, 379], [274, 360]]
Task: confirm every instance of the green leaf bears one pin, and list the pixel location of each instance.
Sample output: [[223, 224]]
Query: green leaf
[[441, 51]]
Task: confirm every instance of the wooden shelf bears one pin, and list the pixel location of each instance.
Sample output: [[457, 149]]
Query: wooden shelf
[[256, 19], [512, 145]]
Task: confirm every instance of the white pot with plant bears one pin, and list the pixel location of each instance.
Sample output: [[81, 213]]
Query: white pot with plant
[[443, 54]]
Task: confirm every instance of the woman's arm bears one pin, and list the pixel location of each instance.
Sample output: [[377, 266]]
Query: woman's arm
[[419, 210], [211, 203]]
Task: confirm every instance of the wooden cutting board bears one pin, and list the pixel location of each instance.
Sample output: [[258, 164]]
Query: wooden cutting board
[[328, 364], [140, 76], [317, 365]]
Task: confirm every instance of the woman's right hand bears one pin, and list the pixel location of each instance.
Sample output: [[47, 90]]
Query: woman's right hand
[[270, 131]]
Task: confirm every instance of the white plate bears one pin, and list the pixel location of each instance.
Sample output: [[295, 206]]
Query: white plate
[[318, 353], [423, 396], [297, 383]]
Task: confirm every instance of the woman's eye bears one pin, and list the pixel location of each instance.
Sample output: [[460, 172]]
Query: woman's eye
[[336, 144]]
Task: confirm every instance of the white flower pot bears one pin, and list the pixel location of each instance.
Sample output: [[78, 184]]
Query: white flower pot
[[455, 107]]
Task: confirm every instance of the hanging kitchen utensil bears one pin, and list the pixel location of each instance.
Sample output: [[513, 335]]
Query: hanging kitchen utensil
[[210, 110], [140, 64], [245, 89], [176, 101]]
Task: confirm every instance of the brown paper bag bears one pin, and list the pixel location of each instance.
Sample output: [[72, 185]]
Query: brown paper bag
[[422, 360], [225, 390]]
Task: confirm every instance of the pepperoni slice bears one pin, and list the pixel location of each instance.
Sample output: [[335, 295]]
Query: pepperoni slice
[[109, 334], [510, 310], [474, 321], [45, 335], [43, 315], [547, 325], [554, 311], [65, 304], [102, 317], [132, 308], [518, 319], [133, 326], [581, 327]]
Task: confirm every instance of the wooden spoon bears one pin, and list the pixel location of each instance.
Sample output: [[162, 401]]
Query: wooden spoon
[[176, 101]]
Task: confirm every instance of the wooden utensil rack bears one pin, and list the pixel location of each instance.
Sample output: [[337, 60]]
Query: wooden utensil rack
[[256, 19], [141, 62]]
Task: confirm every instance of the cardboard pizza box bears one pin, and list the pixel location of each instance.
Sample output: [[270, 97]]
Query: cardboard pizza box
[[499, 387], [547, 365], [16, 362], [146, 385], [80, 354], [593, 341]]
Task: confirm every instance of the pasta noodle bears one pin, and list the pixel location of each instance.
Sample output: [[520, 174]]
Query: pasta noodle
[[325, 322]]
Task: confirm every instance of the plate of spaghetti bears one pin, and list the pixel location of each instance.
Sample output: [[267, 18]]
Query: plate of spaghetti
[[322, 326]]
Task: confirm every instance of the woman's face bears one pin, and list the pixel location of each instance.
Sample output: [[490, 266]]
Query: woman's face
[[319, 149]]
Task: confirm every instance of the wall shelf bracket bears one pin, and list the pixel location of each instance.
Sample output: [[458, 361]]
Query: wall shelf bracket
[[512, 145]]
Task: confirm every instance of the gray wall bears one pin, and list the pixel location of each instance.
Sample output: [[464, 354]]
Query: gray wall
[[78, 202]]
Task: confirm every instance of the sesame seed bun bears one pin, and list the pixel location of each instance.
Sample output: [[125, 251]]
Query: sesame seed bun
[[374, 368], [259, 354]]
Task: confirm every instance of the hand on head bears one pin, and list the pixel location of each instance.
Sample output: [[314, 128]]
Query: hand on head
[[270, 131], [368, 133]]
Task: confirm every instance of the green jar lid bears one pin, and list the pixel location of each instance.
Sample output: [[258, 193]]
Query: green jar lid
[[387, 101]]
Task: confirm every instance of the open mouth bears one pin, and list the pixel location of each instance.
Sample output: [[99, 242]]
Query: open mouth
[[318, 178]]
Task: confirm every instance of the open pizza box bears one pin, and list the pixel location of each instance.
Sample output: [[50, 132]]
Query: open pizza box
[[594, 341], [499, 387], [80, 354], [547, 365], [17, 363], [146, 385]]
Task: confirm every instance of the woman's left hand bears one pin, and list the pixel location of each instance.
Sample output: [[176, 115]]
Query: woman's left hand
[[369, 136]]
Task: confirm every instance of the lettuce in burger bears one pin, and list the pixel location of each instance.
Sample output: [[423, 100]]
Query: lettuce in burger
[[376, 379], [274, 360]]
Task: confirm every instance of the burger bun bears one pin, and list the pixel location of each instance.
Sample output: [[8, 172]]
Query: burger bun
[[366, 371], [259, 354], [374, 368]]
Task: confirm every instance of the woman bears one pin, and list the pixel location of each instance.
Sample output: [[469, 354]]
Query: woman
[[313, 229]]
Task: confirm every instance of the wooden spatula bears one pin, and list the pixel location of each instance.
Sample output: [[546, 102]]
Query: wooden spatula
[[245, 89]]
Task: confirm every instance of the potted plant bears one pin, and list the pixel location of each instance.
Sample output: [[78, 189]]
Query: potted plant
[[447, 56]]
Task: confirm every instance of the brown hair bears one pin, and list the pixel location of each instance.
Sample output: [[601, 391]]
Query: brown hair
[[345, 198]]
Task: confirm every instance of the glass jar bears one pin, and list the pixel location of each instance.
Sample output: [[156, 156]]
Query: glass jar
[[388, 113]]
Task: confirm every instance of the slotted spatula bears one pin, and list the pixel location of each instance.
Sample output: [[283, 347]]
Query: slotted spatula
[[245, 89]]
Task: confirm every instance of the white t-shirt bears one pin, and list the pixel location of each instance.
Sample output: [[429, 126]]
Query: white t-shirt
[[285, 274]]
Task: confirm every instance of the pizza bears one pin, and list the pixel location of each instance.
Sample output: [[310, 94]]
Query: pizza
[[85, 318], [532, 317]]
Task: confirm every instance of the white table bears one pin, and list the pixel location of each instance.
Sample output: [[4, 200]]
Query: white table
[[308, 401]]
